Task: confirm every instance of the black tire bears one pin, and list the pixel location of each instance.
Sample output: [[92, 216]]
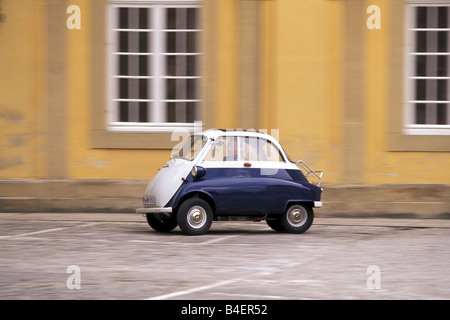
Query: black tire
[[298, 218], [194, 216], [161, 222], [275, 224]]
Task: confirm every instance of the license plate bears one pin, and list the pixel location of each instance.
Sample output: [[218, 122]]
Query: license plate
[[149, 200]]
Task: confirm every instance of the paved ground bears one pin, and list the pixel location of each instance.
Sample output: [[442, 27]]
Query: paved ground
[[100, 256]]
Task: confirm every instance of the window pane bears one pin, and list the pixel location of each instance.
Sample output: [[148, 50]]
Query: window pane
[[191, 111], [171, 42], [144, 66], [229, 150], [191, 66], [143, 89], [181, 65], [171, 112], [421, 44], [123, 111], [421, 18], [442, 41], [143, 111], [443, 17], [176, 112], [133, 65], [442, 90], [171, 18], [271, 152], [123, 65], [429, 94], [171, 89], [140, 42], [191, 89], [123, 41], [442, 113], [421, 65], [420, 90], [143, 18], [192, 20], [442, 66], [143, 41], [123, 88], [171, 65], [123, 18], [182, 18], [420, 113], [133, 18], [250, 149], [191, 42]]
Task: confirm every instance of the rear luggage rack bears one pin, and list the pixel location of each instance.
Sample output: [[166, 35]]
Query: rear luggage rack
[[310, 172]]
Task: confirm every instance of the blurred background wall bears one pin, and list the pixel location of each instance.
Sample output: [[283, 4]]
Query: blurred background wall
[[90, 92]]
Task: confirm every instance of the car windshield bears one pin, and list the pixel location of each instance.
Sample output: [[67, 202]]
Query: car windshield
[[189, 147]]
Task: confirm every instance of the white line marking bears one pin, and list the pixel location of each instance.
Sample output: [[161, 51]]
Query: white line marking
[[254, 296], [189, 291], [45, 231], [31, 233], [186, 243], [218, 239], [159, 242]]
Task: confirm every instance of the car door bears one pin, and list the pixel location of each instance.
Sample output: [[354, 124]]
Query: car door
[[242, 175], [264, 164]]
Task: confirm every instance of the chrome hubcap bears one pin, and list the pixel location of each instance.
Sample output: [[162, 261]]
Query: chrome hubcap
[[196, 217], [297, 216]]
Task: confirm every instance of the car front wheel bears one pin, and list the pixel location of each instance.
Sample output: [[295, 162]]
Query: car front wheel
[[160, 222], [194, 216], [297, 218]]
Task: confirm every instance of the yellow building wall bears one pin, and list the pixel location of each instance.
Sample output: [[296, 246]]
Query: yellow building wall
[[304, 81], [302, 47], [306, 93], [85, 162], [383, 166], [226, 65], [22, 90]]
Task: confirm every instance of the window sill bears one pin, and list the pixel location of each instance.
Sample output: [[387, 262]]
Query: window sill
[[104, 139], [419, 143], [154, 127]]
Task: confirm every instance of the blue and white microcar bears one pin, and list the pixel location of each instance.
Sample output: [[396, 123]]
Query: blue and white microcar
[[220, 175]]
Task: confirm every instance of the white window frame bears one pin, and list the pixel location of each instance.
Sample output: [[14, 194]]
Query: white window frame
[[410, 127], [157, 66]]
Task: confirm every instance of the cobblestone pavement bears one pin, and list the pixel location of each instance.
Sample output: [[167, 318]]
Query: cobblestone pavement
[[53, 257]]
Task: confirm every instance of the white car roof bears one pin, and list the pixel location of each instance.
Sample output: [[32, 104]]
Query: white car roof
[[214, 133]]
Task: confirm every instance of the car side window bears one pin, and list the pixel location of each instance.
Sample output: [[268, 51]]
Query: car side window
[[259, 149], [224, 149], [271, 152], [230, 148]]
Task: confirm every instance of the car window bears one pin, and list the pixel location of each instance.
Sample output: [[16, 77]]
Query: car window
[[189, 147], [243, 149], [224, 149], [259, 149]]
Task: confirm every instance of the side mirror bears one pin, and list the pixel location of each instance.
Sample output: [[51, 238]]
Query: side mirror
[[198, 172]]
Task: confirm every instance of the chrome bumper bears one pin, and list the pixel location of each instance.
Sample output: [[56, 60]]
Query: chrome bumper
[[153, 210], [317, 204]]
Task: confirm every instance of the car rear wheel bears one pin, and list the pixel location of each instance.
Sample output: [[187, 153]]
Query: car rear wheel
[[194, 216], [161, 222], [297, 218]]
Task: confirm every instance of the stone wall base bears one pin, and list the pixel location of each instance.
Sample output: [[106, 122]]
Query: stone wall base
[[124, 195]]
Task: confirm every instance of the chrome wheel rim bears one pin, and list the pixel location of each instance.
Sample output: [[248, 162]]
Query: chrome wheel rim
[[297, 216], [196, 217]]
